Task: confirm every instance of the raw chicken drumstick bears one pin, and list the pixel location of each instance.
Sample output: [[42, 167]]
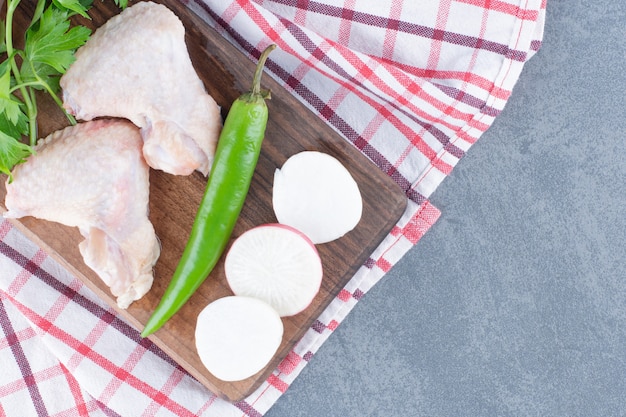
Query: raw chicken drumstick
[[93, 176], [136, 66]]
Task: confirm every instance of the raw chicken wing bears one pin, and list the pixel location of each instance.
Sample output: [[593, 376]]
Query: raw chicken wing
[[93, 176], [136, 66]]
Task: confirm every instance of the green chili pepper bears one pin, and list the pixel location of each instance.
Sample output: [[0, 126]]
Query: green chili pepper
[[235, 160]]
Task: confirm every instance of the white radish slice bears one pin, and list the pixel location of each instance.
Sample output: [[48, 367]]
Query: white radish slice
[[277, 264], [236, 336], [316, 194]]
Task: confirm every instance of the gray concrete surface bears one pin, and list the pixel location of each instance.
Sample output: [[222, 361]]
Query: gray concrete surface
[[514, 303]]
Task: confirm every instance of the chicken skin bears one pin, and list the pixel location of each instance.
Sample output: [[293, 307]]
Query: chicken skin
[[93, 176], [137, 66]]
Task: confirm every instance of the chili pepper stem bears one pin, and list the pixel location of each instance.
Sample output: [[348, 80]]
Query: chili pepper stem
[[258, 73]]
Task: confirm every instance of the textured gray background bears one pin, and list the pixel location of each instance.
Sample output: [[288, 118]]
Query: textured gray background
[[514, 303]]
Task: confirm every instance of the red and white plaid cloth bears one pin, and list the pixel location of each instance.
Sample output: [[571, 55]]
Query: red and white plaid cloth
[[411, 84]]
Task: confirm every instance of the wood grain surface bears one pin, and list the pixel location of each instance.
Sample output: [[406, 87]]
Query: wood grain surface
[[173, 202]]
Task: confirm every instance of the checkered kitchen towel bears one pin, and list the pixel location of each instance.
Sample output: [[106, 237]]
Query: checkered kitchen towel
[[412, 84]]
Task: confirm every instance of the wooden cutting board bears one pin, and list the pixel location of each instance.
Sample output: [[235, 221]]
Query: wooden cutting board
[[173, 202]]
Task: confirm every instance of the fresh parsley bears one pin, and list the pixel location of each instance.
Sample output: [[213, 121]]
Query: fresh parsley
[[49, 45]]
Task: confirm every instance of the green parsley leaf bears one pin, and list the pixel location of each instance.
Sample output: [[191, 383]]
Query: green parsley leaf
[[12, 152], [10, 106], [40, 75], [14, 129], [51, 43], [75, 6]]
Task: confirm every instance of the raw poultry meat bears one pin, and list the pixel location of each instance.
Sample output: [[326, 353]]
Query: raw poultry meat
[[137, 66], [93, 176]]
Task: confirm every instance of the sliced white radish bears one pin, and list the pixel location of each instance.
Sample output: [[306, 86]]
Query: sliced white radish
[[237, 336], [316, 194], [277, 264]]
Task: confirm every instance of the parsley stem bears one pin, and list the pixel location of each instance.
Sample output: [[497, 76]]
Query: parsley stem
[[26, 94], [58, 101], [33, 132]]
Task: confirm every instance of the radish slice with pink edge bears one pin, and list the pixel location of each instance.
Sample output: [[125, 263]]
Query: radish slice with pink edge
[[277, 264], [237, 336], [317, 195]]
